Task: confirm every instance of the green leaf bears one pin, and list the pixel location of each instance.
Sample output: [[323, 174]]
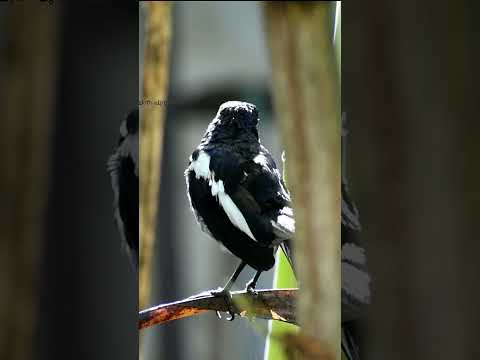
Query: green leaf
[[284, 278]]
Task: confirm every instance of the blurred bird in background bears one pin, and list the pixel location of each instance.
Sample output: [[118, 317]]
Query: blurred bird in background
[[123, 169], [355, 278]]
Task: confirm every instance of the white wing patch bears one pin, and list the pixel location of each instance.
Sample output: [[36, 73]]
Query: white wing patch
[[355, 280], [201, 167], [353, 253], [232, 211], [260, 159], [287, 223], [284, 227]]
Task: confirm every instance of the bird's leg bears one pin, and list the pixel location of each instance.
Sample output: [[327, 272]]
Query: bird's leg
[[225, 292], [253, 283]]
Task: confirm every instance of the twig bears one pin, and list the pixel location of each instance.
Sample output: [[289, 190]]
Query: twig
[[278, 304]]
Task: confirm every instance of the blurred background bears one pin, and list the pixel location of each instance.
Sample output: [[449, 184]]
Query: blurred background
[[410, 87], [70, 73]]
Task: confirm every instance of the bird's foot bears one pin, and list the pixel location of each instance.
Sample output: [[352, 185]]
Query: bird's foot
[[227, 297], [250, 288]]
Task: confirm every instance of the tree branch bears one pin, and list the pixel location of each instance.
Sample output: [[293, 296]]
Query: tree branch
[[278, 304]]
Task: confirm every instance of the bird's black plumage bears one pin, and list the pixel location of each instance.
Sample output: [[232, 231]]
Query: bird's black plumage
[[123, 169], [235, 188]]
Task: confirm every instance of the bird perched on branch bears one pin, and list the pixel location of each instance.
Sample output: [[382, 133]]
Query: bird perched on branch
[[123, 169], [239, 198], [237, 193]]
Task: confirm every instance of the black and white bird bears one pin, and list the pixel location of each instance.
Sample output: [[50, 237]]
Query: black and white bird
[[237, 193], [239, 198], [355, 279], [123, 169]]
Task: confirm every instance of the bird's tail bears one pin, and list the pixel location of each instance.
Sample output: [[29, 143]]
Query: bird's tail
[[286, 246]]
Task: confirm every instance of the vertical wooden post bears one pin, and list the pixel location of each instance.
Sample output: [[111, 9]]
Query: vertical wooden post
[[27, 101], [152, 117], [307, 103], [156, 62], [414, 112]]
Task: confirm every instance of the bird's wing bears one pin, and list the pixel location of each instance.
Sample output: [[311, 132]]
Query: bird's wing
[[355, 281], [251, 193], [355, 276]]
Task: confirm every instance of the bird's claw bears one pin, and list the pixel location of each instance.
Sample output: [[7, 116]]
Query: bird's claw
[[252, 291], [227, 297], [251, 288]]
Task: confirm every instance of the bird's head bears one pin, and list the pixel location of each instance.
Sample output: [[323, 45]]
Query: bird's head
[[234, 120], [130, 124], [128, 144]]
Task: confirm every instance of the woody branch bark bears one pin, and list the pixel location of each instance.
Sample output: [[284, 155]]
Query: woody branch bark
[[265, 304], [271, 304]]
